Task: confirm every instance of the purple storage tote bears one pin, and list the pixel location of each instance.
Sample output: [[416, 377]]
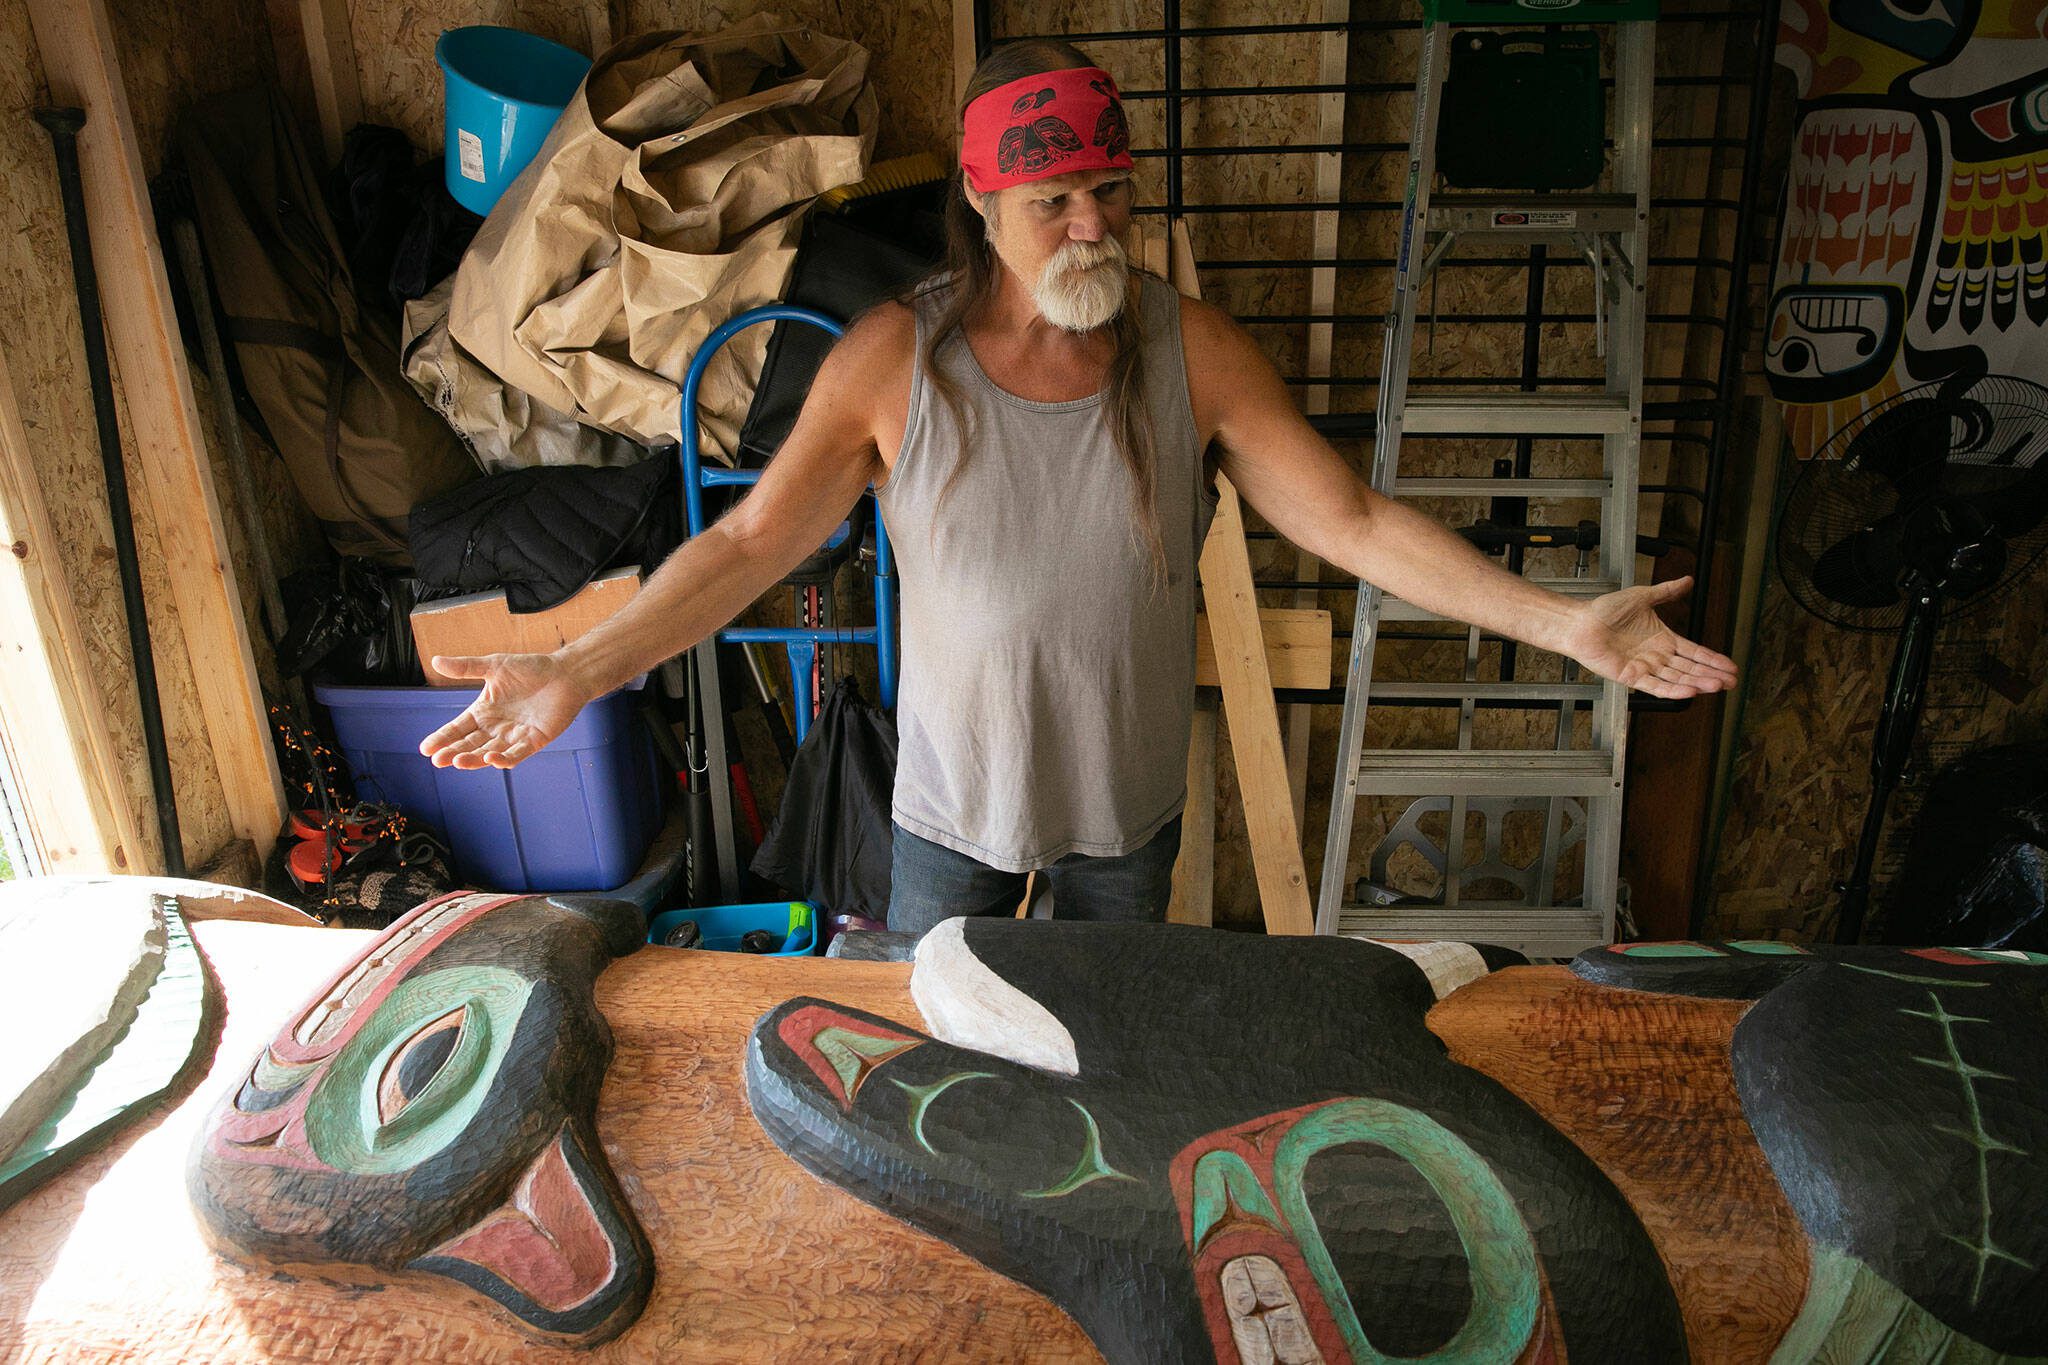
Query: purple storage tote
[[577, 816]]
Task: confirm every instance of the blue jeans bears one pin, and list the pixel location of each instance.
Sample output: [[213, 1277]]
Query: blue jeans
[[929, 882]]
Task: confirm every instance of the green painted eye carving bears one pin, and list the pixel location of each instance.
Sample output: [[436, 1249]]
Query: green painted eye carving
[[1506, 1294], [418, 1071]]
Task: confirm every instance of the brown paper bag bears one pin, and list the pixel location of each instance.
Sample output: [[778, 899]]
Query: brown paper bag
[[504, 428], [668, 198]]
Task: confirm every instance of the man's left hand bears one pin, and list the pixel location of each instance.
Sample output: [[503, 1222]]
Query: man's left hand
[[1620, 636]]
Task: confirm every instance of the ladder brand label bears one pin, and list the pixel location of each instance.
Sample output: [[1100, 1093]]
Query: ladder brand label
[[1535, 218]]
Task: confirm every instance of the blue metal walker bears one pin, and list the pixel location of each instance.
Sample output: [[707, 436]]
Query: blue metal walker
[[800, 642]]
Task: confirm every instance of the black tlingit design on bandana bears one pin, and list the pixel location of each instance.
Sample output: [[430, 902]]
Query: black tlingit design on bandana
[[1034, 147]]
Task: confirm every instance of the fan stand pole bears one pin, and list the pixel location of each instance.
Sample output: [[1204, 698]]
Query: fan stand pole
[[1897, 723]]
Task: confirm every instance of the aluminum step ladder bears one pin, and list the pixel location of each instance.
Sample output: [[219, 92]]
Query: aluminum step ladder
[[1577, 789]]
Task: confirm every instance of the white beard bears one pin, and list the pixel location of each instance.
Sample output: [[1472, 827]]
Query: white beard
[[1084, 285]]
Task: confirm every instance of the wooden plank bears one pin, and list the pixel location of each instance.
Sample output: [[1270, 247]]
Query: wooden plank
[[1270, 826], [1254, 722], [1194, 873], [288, 56], [1670, 780], [57, 740], [331, 63], [964, 55], [81, 66], [481, 623], [1298, 648]]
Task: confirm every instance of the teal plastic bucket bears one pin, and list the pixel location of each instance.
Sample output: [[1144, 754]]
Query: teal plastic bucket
[[504, 90]]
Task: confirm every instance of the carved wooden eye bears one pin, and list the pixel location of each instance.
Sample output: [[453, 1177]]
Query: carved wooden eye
[[417, 1061]]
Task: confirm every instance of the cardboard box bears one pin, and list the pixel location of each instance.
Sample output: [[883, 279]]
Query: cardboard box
[[481, 623]]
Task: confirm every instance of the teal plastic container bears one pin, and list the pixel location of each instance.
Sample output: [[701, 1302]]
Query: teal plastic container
[[722, 925], [504, 90]]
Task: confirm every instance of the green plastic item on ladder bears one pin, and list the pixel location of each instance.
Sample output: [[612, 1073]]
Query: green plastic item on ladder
[[1522, 111], [1536, 11]]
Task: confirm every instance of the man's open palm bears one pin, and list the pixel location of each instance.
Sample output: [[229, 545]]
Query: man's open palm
[[1620, 636], [526, 702]]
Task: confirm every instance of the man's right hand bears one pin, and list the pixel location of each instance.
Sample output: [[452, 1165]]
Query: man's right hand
[[526, 702]]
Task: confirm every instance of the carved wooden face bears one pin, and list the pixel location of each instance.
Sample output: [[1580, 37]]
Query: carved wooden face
[[432, 1110]]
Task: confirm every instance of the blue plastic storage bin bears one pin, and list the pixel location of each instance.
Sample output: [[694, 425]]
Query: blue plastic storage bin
[[577, 816], [503, 89], [722, 926]]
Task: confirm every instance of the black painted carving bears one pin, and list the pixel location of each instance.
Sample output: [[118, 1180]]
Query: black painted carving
[[1901, 1095], [1260, 1140]]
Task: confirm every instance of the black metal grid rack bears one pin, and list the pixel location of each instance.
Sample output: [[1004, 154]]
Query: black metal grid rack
[[1696, 411]]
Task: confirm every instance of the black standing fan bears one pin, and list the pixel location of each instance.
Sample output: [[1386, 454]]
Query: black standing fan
[[1933, 501]]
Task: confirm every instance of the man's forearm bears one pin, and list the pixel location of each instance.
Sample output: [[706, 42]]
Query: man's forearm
[[1422, 561], [704, 584]]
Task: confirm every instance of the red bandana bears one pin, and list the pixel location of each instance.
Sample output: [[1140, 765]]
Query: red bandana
[[1052, 124]]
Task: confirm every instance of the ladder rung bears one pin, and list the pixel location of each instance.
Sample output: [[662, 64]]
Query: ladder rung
[[1487, 772], [1506, 488], [1531, 217], [1487, 691], [1517, 414], [1394, 609], [1562, 932]]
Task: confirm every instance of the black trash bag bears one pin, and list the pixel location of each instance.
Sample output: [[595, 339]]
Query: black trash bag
[[1976, 872], [541, 534], [830, 841], [842, 268], [403, 231], [350, 622]]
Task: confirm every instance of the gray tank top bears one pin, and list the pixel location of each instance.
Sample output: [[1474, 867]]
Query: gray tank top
[[1047, 687]]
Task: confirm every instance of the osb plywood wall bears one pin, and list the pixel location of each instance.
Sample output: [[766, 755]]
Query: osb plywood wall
[[168, 55], [910, 44]]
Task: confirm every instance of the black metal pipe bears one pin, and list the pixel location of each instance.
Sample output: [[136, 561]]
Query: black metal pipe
[[1134, 35], [1470, 319], [1449, 262], [1728, 380], [1532, 369], [1174, 196], [1172, 92], [1273, 149], [1728, 386], [1380, 205], [1138, 35], [63, 126]]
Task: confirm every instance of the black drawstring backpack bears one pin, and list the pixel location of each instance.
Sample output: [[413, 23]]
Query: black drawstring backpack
[[829, 843]]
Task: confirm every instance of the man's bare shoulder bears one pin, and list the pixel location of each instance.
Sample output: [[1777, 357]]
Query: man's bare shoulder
[[1212, 339], [881, 343], [1226, 369]]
